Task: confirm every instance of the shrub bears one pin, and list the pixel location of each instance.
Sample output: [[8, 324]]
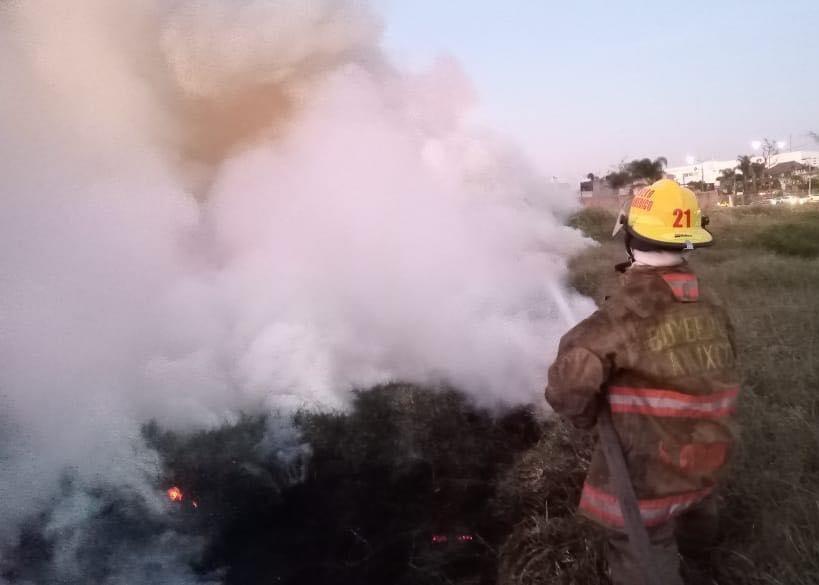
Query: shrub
[[594, 222]]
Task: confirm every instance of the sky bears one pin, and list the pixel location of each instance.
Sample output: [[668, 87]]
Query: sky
[[583, 84]]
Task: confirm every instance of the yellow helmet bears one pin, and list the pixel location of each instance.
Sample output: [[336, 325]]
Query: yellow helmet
[[668, 215]]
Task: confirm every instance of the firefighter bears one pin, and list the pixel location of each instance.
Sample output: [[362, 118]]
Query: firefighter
[[660, 354]]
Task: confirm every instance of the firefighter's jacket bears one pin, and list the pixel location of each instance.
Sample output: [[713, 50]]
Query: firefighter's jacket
[[663, 357]]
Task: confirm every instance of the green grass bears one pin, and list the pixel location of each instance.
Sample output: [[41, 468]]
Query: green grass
[[594, 222], [792, 239], [764, 267]]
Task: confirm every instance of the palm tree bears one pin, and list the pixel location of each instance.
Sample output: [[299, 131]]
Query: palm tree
[[759, 170], [746, 166], [650, 170], [658, 168], [618, 179], [728, 179], [728, 182]]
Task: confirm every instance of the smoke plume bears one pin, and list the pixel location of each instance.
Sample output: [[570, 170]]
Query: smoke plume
[[213, 207]]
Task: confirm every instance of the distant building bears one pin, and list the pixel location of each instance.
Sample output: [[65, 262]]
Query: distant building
[[790, 167], [596, 187], [707, 171], [805, 157], [597, 193]]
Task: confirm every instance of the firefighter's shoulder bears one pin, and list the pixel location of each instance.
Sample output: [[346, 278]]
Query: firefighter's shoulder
[[601, 333]]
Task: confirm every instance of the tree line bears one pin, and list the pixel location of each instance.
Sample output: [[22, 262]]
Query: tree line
[[748, 176], [629, 172]]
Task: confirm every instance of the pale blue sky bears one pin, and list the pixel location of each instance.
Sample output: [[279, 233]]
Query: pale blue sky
[[582, 84]]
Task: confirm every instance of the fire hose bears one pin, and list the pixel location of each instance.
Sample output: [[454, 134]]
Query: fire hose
[[633, 521], [613, 451]]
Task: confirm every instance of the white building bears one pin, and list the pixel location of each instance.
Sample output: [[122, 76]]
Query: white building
[[805, 157], [707, 171]]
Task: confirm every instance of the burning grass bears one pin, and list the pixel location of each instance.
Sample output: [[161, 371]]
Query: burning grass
[[411, 485]]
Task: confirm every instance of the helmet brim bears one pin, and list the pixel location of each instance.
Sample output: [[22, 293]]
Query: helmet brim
[[696, 237]]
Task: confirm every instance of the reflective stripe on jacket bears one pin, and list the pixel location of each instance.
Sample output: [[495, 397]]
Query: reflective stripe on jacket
[[662, 354], [673, 404], [605, 507]]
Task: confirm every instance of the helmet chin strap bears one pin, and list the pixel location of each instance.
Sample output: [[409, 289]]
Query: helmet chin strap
[[623, 266]]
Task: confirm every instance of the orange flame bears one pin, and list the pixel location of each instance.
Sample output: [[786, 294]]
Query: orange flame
[[175, 494]]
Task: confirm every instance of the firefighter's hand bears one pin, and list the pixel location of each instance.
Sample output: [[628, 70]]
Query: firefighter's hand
[[587, 419]]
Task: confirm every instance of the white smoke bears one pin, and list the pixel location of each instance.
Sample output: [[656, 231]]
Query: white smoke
[[214, 206]]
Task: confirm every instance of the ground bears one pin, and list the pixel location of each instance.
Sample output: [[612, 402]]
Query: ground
[[419, 486]]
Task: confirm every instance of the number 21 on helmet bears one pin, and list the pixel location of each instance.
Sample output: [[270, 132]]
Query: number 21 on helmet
[[667, 215]]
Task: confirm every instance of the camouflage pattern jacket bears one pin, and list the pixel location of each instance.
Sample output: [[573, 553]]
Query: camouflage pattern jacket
[[664, 359]]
